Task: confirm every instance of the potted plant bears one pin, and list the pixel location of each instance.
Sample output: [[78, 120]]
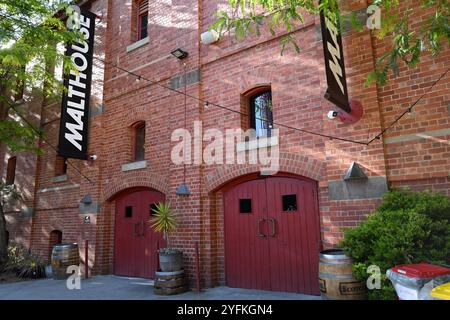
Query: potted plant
[[165, 220]]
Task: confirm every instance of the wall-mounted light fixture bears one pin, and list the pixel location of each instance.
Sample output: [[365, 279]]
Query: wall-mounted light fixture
[[87, 206], [355, 172], [87, 199], [183, 190], [179, 53]]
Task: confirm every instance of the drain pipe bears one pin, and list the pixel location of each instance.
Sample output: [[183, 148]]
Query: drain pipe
[[157, 256], [197, 267], [86, 259]]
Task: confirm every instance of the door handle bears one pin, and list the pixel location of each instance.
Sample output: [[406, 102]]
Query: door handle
[[135, 233], [142, 229], [272, 227], [260, 233]]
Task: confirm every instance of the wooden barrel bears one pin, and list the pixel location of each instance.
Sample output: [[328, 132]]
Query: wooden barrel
[[63, 256], [336, 281], [168, 283]]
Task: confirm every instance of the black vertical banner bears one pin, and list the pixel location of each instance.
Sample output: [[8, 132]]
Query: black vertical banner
[[74, 126], [334, 61]]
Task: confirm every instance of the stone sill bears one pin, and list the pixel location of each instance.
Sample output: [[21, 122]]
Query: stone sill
[[66, 187], [258, 143], [61, 178], [138, 44], [134, 166]]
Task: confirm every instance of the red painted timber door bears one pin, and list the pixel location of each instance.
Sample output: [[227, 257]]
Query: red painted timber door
[[136, 245], [272, 235], [246, 253]]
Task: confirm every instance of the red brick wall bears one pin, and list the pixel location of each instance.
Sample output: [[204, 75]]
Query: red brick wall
[[413, 152], [229, 68]]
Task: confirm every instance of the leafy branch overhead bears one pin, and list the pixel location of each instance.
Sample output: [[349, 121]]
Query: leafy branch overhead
[[408, 43], [32, 41]]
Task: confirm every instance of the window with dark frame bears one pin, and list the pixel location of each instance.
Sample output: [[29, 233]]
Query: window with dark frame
[[289, 202], [60, 166], [152, 208], [245, 206], [128, 212], [142, 19], [11, 171], [139, 142], [261, 116]]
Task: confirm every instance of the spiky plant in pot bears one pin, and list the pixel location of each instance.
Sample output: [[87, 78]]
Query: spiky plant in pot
[[165, 220]]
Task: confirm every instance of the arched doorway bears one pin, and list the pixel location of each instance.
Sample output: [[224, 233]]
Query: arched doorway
[[272, 234], [136, 244], [55, 238]]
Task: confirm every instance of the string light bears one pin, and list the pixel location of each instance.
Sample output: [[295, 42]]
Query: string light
[[408, 110], [227, 108], [207, 104]]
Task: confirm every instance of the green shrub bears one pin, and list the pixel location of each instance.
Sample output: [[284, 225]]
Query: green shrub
[[408, 227], [24, 263]]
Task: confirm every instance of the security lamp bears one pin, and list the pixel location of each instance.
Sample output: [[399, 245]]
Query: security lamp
[[183, 190], [179, 53], [332, 115]]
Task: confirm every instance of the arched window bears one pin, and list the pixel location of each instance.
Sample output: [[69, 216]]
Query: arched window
[[139, 141], [142, 19], [11, 170], [55, 238], [261, 116], [257, 103], [60, 166]]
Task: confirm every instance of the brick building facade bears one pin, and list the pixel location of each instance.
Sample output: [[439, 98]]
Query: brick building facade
[[415, 153]]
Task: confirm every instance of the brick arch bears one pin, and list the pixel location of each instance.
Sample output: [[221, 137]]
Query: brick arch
[[134, 180], [135, 115], [290, 163]]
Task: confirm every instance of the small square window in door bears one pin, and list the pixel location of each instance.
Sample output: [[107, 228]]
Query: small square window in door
[[289, 202], [128, 212], [245, 206], [152, 208]]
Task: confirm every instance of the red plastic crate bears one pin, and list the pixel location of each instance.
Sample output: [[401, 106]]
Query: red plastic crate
[[421, 270]]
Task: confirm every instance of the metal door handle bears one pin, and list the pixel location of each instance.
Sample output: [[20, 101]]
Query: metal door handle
[[135, 233], [260, 233], [142, 229], [272, 227]]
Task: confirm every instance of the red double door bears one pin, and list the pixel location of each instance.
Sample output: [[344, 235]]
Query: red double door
[[136, 244], [272, 235]]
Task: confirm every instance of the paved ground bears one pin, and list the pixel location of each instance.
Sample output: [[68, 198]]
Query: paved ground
[[119, 288]]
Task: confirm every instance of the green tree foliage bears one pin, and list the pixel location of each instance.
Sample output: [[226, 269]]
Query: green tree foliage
[[407, 228], [29, 33], [8, 193], [407, 45]]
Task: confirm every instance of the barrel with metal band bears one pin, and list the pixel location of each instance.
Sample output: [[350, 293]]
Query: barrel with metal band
[[336, 281], [63, 256], [168, 283]]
